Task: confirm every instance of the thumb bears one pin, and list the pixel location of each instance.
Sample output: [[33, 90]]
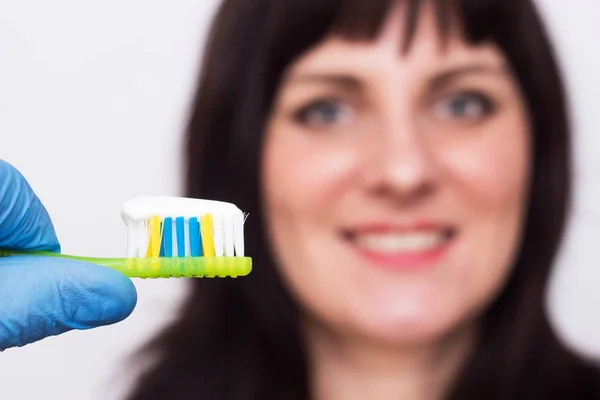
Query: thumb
[[41, 297]]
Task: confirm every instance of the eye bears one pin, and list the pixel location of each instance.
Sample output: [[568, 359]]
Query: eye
[[324, 112], [466, 105]]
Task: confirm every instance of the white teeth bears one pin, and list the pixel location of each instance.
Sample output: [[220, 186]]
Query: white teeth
[[390, 243]]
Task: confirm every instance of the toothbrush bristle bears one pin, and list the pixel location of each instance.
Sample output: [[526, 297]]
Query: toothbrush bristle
[[181, 237], [155, 233], [207, 231]]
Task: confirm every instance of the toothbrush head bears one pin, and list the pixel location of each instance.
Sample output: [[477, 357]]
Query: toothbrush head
[[163, 226]]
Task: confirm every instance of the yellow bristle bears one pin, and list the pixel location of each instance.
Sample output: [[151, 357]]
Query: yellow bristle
[[206, 228], [155, 236]]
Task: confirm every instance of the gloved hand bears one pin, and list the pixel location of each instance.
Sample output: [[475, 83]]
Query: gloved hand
[[41, 297]]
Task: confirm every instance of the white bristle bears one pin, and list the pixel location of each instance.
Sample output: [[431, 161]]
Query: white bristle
[[141, 238], [228, 221], [218, 234], [228, 236], [238, 233]]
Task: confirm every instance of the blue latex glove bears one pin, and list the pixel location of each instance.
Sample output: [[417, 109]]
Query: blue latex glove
[[41, 297]]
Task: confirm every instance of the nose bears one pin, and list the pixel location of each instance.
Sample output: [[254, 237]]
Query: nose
[[400, 164]]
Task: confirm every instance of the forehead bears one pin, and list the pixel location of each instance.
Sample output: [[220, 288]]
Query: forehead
[[429, 50]]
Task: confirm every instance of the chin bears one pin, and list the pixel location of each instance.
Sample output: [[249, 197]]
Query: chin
[[408, 325]]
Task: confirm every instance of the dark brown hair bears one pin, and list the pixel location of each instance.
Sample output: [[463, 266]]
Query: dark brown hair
[[240, 339]]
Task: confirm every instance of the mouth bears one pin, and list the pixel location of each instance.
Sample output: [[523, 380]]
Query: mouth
[[401, 247]]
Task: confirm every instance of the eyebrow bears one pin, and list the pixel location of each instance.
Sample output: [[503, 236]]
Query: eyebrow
[[440, 79], [344, 80], [443, 78]]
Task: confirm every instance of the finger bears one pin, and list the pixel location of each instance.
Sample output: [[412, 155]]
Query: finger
[[41, 297], [24, 222]]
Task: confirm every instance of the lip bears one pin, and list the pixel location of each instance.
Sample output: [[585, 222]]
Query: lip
[[402, 260]]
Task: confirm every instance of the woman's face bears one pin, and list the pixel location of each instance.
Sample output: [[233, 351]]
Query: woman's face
[[395, 185]]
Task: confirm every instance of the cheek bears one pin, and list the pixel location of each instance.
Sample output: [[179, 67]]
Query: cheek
[[303, 181], [489, 180], [489, 172], [306, 174], [493, 172]]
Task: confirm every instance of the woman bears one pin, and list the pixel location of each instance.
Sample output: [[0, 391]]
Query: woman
[[405, 165]]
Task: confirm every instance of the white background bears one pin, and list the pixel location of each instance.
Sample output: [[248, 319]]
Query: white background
[[93, 100]]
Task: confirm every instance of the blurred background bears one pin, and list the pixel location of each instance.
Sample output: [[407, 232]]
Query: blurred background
[[93, 103]]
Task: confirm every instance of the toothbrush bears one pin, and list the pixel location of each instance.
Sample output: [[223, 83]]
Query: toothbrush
[[175, 237]]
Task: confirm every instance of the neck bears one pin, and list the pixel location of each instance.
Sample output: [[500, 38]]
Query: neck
[[354, 368]]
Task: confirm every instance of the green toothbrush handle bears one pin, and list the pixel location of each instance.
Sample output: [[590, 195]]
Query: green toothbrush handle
[[163, 267]]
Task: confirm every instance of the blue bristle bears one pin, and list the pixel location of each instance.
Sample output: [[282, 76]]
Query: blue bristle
[[194, 237], [168, 237], [180, 229]]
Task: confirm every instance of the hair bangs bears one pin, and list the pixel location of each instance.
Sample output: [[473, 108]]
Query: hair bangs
[[360, 20], [300, 25]]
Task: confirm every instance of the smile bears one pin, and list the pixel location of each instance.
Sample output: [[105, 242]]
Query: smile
[[392, 243], [401, 248]]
